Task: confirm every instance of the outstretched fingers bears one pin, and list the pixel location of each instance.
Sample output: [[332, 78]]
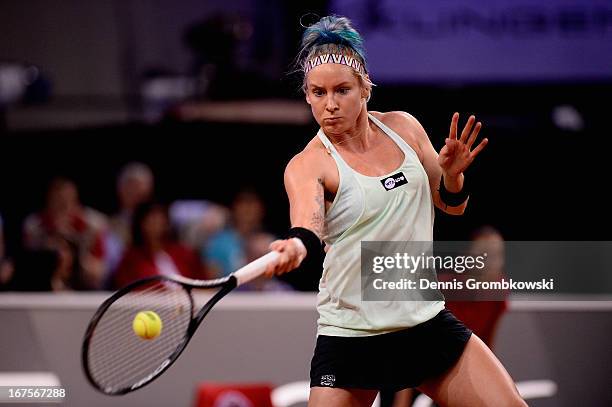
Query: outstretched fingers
[[467, 129], [457, 153], [474, 134], [479, 148], [453, 127]]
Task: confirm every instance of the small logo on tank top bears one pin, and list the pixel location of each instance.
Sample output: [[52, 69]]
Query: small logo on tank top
[[394, 181]]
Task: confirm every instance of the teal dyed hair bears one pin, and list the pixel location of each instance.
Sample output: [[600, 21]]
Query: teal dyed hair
[[332, 30], [332, 35]]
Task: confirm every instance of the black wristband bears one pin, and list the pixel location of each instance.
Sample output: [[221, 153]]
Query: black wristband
[[453, 198], [314, 248], [308, 237]]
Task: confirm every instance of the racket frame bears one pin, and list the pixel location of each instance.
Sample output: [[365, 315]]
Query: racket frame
[[227, 284]]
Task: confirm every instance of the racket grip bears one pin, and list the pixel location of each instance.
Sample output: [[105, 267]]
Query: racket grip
[[257, 267]]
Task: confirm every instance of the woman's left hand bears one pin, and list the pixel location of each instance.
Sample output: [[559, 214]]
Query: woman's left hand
[[457, 154]]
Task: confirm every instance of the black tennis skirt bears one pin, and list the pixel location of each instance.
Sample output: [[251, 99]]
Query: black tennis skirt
[[391, 361]]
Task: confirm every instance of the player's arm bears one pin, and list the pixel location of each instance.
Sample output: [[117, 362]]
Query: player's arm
[[304, 183], [434, 171]]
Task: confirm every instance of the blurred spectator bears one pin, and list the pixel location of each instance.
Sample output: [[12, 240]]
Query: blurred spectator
[[65, 270], [225, 252], [242, 241], [6, 267], [153, 251], [256, 246], [196, 220], [71, 230], [135, 185]]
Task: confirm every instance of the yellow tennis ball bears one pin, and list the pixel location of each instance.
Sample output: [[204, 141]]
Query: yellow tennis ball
[[147, 325]]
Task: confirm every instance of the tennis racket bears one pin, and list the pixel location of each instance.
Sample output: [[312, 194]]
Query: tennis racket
[[117, 361]]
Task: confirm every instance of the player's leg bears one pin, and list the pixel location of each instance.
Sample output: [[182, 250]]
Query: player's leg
[[477, 379], [339, 397]]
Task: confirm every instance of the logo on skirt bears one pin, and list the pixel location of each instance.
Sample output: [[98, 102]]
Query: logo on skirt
[[328, 380]]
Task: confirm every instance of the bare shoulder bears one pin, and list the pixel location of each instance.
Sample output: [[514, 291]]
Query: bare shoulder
[[399, 120], [406, 126], [311, 178], [313, 160]]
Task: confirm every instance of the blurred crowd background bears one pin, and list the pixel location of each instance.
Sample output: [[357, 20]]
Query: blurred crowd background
[[144, 137]]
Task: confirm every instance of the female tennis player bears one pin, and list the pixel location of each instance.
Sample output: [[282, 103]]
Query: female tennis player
[[340, 193]]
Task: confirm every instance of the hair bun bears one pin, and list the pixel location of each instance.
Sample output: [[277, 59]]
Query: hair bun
[[330, 37], [332, 30]]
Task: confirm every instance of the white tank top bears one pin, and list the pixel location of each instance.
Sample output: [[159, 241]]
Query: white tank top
[[364, 210]]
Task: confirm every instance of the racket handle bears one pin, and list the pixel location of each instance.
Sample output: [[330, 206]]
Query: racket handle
[[257, 267]]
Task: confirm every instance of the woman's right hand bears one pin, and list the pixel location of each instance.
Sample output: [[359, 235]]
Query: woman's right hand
[[292, 252]]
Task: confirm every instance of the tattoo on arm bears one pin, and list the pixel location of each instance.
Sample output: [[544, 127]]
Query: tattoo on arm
[[318, 217]]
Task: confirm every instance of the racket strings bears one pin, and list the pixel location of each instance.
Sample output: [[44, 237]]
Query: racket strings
[[107, 352], [116, 352], [118, 316], [117, 357]]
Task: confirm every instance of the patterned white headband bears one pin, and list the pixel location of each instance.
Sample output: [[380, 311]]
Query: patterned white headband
[[334, 59]]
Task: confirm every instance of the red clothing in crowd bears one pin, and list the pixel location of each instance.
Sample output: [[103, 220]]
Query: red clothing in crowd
[[481, 317], [84, 228], [138, 263]]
